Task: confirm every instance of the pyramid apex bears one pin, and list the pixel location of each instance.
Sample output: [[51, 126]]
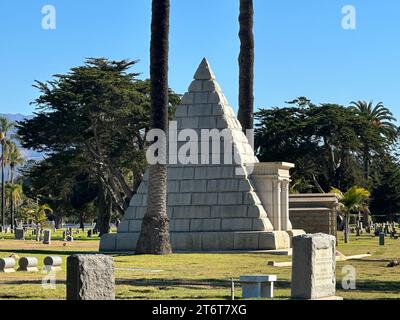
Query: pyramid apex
[[204, 71]]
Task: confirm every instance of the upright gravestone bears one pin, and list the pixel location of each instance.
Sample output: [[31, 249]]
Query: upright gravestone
[[382, 239], [46, 237], [314, 267], [19, 234], [90, 277], [89, 233]]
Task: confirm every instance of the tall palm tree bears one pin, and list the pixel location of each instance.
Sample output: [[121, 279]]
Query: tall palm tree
[[354, 199], [5, 127], [15, 159], [154, 235], [15, 195], [381, 118], [246, 65]]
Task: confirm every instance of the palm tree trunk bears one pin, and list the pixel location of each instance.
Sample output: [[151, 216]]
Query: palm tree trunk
[[12, 212], [366, 162], [154, 235], [246, 65], [347, 229]]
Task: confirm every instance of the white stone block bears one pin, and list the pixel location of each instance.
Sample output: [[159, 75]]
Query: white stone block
[[218, 241], [188, 123], [203, 225], [274, 240], [245, 185], [262, 224], [173, 186], [181, 173], [135, 226], [186, 241], [130, 213], [193, 186], [224, 185], [123, 226], [251, 198], [204, 198], [201, 110], [211, 86], [246, 241], [196, 86], [208, 122], [214, 172], [191, 212], [188, 98], [181, 111], [235, 211], [180, 225], [228, 198], [236, 225], [178, 199], [201, 98]]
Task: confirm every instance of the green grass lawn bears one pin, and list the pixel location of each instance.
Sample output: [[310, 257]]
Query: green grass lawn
[[199, 276]]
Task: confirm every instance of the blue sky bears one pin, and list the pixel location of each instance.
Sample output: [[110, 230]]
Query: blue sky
[[301, 47]]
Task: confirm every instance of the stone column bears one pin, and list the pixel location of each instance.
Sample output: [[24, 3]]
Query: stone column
[[271, 181], [277, 205], [285, 222]]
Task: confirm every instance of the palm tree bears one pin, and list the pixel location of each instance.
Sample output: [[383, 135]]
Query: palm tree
[[354, 199], [38, 216], [15, 158], [246, 65], [154, 235], [382, 119], [5, 127], [14, 193]]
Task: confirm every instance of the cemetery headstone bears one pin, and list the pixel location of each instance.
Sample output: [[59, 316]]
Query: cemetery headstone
[[46, 237], [69, 238], [89, 233], [28, 264], [314, 267], [19, 234], [382, 239], [90, 277], [7, 265], [52, 263], [64, 234], [1, 229]]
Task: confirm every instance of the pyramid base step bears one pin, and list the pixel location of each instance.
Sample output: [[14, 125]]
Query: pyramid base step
[[204, 241]]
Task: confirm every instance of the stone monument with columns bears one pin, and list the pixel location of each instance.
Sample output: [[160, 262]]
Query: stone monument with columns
[[220, 198]]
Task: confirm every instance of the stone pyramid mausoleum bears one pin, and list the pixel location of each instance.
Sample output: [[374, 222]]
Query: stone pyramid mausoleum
[[225, 200]]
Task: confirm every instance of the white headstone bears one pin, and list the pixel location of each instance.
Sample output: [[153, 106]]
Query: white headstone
[[314, 266]]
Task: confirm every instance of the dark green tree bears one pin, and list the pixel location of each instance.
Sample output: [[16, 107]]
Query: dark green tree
[[101, 111]]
